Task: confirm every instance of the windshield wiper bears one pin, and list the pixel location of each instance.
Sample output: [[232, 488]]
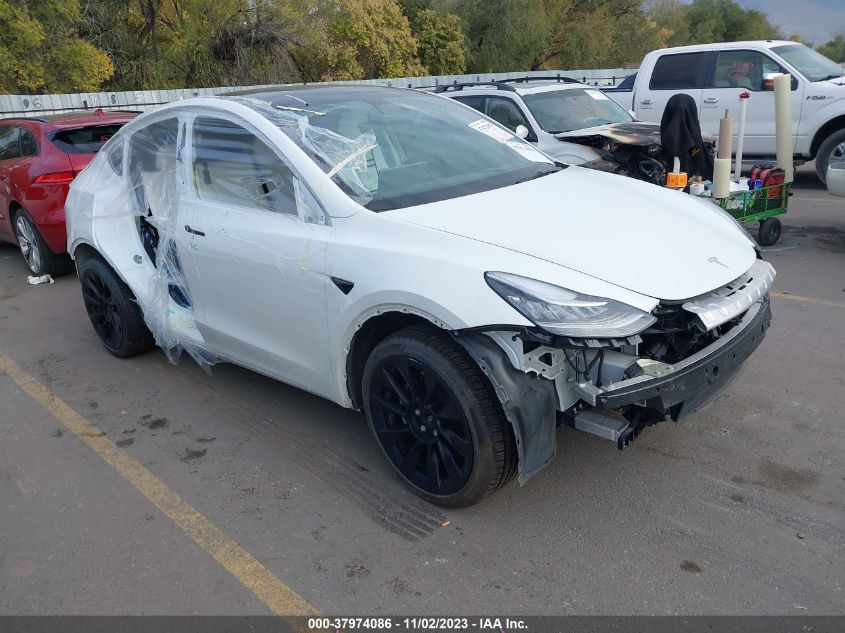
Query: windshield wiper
[[833, 76], [539, 174]]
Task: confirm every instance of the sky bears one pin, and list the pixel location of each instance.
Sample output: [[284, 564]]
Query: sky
[[816, 21]]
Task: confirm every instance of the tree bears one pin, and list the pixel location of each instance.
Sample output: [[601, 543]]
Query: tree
[[440, 40], [503, 35], [598, 33], [370, 38], [704, 21], [834, 49], [41, 50]]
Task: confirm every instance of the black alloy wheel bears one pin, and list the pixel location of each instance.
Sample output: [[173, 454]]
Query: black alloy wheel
[[113, 309], [421, 426], [437, 418], [103, 309]]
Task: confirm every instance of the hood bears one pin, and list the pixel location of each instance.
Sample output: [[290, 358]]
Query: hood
[[633, 133], [650, 240]]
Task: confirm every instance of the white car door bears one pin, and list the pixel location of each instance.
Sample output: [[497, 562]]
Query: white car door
[[672, 74], [742, 70], [257, 270]]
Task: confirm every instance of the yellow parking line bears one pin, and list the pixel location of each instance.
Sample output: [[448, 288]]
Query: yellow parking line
[[278, 597], [802, 299]]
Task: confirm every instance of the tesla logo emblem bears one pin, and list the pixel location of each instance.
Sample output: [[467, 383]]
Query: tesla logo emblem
[[715, 260]]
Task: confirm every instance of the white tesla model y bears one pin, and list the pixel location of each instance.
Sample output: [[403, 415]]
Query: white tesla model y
[[398, 253]]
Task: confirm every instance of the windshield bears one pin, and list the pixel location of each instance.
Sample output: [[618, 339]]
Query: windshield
[[389, 148], [812, 64], [559, 111]]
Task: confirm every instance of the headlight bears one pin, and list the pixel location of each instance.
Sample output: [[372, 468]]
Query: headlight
[[567, 313]]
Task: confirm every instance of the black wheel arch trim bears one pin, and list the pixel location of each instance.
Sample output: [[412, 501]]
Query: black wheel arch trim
[[529, 404]]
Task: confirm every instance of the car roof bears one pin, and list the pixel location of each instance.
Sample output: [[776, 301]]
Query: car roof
[[520, 89], [725, 45], [300, 95], [76, 119]]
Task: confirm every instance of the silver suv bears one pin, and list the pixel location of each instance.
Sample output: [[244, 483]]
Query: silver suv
[[571, 121]]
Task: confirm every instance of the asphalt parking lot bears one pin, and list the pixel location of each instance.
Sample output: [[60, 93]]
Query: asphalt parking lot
[[139, 487]]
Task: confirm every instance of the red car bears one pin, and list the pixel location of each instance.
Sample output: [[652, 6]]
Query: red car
[[39, 158]]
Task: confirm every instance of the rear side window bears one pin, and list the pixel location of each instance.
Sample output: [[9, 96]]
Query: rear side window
[[678, 72], [116, 158], [28, 145], [9, 137], [473, 102], [84, 140], [233, 166]]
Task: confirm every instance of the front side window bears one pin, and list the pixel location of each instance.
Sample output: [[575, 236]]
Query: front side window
[[812, 64], [9, 139], [389, 149], [682, 71], [559, 111], [233, 166], [504, 111], [743, 69]]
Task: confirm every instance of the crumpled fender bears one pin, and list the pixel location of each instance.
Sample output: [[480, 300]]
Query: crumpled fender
[[529, 403]]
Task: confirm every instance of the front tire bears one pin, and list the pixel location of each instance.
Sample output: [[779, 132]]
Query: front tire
[[832, 149], [113, 310], [436, 418]]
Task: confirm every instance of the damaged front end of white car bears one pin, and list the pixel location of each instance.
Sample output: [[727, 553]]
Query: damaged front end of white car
[[610, 369]]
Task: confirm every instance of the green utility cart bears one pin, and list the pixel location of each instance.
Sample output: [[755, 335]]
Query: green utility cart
[[759, 205]]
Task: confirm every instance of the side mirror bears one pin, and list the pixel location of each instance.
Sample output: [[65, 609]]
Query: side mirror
[[521, 131], [769, 81]]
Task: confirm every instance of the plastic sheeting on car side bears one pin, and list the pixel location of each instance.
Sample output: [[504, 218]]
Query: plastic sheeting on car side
[[345, 158], [152, 170]]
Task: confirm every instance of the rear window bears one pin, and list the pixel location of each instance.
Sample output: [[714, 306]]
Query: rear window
[[678, 72], [84, 140]]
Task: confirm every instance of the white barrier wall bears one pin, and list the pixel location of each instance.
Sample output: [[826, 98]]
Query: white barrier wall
[[33, 105]]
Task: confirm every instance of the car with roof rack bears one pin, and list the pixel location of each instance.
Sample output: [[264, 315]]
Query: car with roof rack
[[39, 158], [573, 122]]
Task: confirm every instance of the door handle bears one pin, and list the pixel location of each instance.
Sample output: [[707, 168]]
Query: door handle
[[194, 231], [711, 100], [647, 102]]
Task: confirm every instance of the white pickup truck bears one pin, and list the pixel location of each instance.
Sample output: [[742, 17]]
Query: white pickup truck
[[716, 74]]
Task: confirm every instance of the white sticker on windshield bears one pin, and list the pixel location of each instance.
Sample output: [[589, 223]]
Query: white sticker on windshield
[[598, 95], [491, 130], [528, 151]]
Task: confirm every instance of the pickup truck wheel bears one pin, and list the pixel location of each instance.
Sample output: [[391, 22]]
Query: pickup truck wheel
[[769, 232], [113, 310], [831, 150], [436, 418]]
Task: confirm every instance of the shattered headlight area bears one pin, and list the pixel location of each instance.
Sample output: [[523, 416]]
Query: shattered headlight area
[[567, 313], [614, 382]]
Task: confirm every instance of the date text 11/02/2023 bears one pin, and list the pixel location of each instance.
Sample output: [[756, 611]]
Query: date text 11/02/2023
[[415, 624]]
